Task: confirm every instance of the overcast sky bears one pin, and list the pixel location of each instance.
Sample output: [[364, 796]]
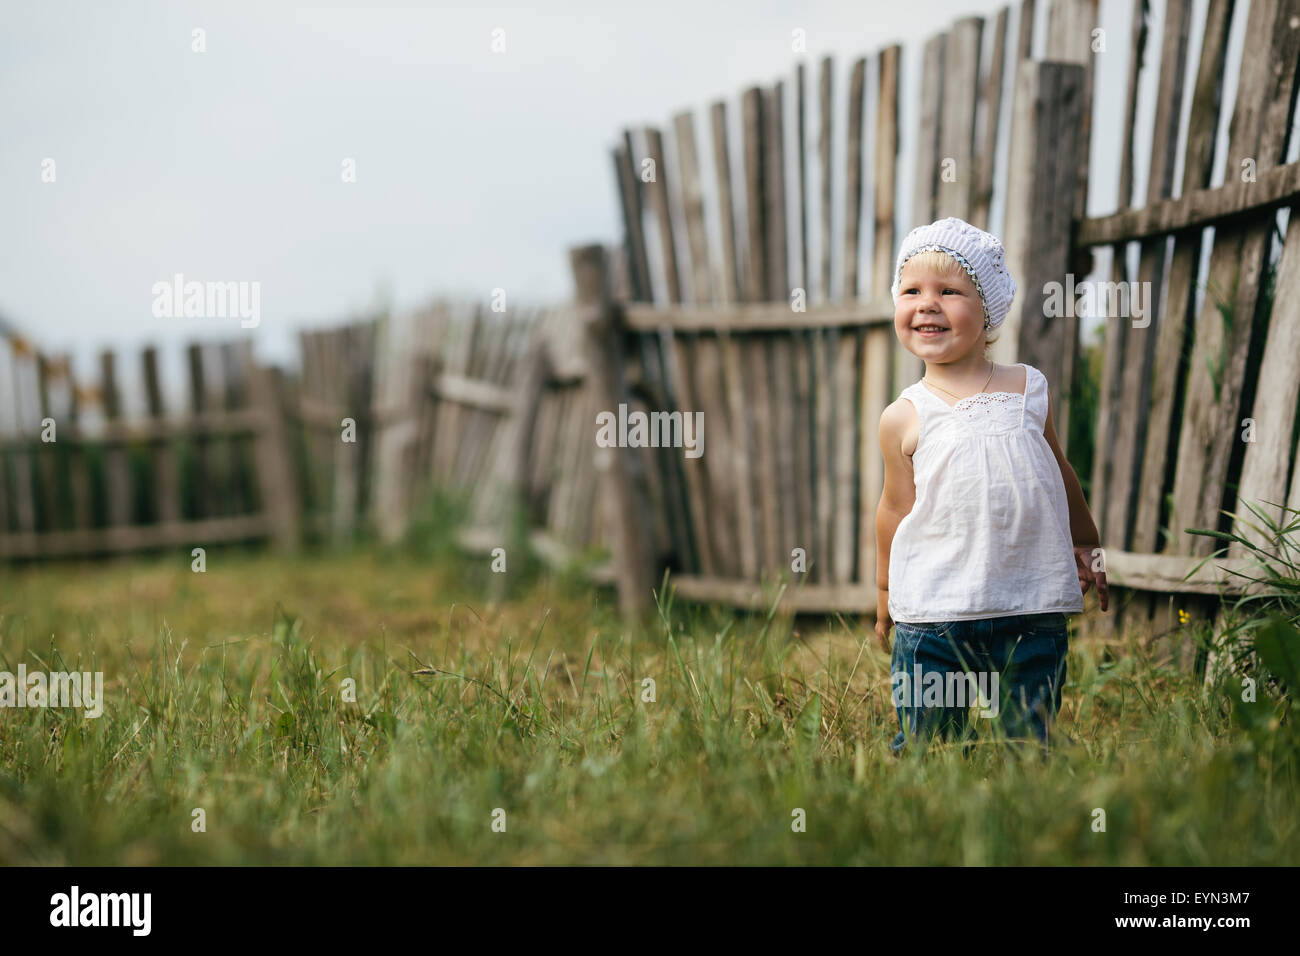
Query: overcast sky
[[474, 170]]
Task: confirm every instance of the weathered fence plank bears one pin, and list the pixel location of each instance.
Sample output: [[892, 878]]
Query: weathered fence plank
[[617, 469], [1169, 368], [1218, 365], [166, 489]]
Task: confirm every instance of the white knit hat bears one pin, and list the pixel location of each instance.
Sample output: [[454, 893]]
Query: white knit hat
[[978, 252]]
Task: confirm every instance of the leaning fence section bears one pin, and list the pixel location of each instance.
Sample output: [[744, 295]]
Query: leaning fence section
[[745, 298], [392, 409], [558, 464]]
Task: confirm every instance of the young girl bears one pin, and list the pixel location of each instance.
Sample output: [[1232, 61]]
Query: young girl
[[984, 540]]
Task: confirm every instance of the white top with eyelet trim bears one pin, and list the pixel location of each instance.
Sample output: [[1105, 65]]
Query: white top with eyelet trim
[[989, 533]]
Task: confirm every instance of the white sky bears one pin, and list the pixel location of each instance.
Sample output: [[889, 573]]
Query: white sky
[[475, 170]]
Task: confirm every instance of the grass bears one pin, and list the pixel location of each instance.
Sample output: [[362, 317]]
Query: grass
[[224, 691]]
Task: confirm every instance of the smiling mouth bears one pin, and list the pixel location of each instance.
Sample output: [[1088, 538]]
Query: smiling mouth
[[930, 329]]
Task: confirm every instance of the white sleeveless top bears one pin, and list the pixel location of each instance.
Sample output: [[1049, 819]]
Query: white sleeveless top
[[989, 534]]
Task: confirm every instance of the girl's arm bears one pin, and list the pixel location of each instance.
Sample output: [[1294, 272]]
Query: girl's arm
[[896, 502], [1082, 528]]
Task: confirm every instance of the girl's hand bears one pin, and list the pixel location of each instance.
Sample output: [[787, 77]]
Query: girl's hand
[[883, 620], [1083, 558]]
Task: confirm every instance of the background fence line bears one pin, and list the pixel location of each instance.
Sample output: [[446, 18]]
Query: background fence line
[[101, 484]]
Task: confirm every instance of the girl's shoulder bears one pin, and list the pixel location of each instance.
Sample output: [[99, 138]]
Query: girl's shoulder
[[1034, 380], [898, 414]]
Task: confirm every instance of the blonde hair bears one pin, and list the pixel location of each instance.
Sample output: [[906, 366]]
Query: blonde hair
[[946, 265]]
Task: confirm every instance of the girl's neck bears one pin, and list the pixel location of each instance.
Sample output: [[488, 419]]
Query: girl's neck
[[965, 374]]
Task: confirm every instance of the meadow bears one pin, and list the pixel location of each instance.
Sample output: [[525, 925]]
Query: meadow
[[521, 731]]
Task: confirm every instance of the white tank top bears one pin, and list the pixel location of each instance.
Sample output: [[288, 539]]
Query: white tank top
[[989, 534]]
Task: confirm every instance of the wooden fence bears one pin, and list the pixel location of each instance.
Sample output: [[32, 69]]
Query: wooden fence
[[792, 393], [781, 331], [392, 408], [77, 478], [381, 414], [566, 511], [1198, 400], [742, 292], [337, 420]]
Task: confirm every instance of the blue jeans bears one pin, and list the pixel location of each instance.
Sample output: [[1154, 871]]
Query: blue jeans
[[1017, 665]]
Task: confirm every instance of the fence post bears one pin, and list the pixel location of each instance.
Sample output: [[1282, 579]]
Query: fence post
[[116, 466], [166, 485], [618, 470], [1046, 149], [536, 371], [398, 391], [275, 475]]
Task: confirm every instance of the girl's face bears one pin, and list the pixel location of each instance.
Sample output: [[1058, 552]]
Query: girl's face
[[939, 316]]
